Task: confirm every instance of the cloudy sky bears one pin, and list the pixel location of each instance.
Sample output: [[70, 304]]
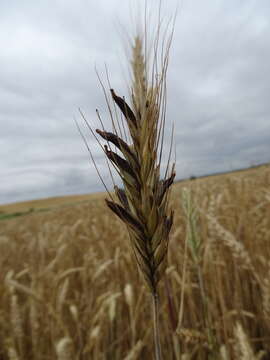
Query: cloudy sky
[[218, 87]]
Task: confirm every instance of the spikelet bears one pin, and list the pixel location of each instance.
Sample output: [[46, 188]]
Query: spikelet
[[242, 348], [95, 332], [103, 267], [74, 312], [193, 336], [223, 353], [64, 349]]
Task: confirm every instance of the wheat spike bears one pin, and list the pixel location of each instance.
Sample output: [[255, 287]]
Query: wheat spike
[[143, 203]]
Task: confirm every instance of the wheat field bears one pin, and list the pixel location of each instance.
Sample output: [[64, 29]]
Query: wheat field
[[70, 288]]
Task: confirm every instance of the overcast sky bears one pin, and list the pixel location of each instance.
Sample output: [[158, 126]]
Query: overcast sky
[[218, 88]]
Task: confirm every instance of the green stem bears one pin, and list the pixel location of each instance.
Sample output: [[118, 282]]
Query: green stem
[[206, 314], [158, 355]]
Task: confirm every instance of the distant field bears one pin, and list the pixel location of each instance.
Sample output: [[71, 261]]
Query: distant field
[[69, 284], [52, 202], [26, 207]]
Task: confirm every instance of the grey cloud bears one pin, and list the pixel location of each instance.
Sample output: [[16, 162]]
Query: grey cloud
[[218, 88]]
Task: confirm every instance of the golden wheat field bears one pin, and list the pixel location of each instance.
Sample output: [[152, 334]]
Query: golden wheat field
[[70, 288]]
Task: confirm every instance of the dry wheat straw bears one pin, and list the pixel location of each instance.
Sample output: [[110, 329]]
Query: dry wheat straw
[[129, 298], [35, 325], [135, 351], [265, 287]]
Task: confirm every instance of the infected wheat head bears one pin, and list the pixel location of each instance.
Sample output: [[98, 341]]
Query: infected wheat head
[[143, 202]]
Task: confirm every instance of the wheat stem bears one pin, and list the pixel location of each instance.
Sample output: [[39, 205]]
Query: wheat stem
[[155, 299]]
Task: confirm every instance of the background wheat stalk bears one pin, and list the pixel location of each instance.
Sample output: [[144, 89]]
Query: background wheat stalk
[[143, 203]]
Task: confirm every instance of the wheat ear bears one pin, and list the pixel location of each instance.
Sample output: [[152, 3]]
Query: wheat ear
[[143, 203]]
